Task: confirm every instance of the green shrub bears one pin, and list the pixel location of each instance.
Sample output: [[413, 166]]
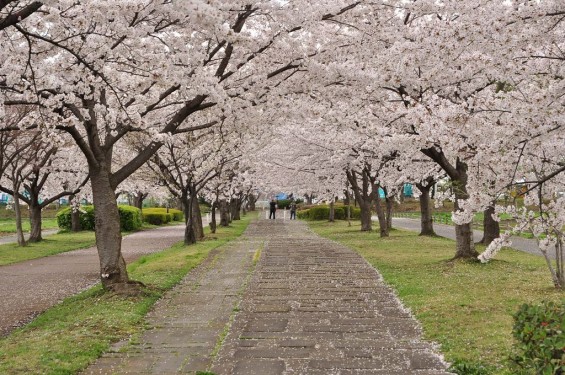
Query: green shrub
[[283, 203], [157, 218], [178, 215], [130, 218], [540, 331], [323, 213], [86, 218], [159, 215]]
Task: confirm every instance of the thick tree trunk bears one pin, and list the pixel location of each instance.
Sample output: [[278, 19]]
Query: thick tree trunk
[[363, 197], [348, 200], [309, 198], [252, 199], [18, 211], [107, 230], [465, 247], [332, 212], [381, 215], [213, 218], [235, 208], [491, 227], [224, 213], [366, 220], [389, 207], [35, 222], [75, 216], [197, 219], [138, 199], [189, 235], [427, 223]]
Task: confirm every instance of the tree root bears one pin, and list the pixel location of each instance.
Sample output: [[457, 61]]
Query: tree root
[[131, 288]]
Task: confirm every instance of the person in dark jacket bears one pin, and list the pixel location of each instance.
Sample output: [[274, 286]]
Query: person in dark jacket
[[293, 211], [272, 209]]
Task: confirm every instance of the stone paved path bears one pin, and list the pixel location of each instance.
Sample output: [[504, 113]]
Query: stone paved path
[[312, 306], [316, 307], [185, 326]]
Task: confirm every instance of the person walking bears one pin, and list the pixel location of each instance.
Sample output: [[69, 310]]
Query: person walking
[[272, 209], [293, 211]]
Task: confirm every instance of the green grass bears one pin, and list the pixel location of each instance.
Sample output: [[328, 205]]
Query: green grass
[[8, 225], [71, 335], [464, 306], [53, 244]]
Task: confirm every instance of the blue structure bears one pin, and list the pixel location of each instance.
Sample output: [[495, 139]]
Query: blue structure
[[281, 196], [408, 190], [4, 198]]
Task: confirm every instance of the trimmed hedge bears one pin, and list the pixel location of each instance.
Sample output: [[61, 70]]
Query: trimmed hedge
[[323, 213], [160, 216], [130, 218]]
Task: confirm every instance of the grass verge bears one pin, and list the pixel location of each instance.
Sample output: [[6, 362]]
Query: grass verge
[[71, 335], [8, 225], [54, 244], [51, 245], [464, 306]]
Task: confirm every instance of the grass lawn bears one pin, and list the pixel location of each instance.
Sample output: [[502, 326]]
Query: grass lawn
[[464, 306], [8, 225], [53, 244], [71, 335]]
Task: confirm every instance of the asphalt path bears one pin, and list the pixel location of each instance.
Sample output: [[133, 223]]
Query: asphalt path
[[448, 231], [30, 287]]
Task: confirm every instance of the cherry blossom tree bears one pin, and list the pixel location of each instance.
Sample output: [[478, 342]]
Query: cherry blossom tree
[[101, 71]]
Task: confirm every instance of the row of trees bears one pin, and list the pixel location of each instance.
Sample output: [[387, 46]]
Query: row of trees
[[312, 98], [421, 91]]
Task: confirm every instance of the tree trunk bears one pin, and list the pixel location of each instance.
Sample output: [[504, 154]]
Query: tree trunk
[[348, 200], [224, 213], [197, 219], [491, 227], [252, 199], [107, 230], [465, 247], [76, 226], [235, 208], [389, 206], [366, 216], [138, 199], [35, 222], [309, 198], [189, 235], [212, 223], [18, 211], [381, 215], [332, 212], [427, 223], [363, 197]]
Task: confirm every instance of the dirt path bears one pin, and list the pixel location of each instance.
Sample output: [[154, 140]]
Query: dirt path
[[30, 287]]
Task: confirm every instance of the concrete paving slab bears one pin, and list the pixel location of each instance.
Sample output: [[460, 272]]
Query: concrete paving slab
[[311, 307]]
